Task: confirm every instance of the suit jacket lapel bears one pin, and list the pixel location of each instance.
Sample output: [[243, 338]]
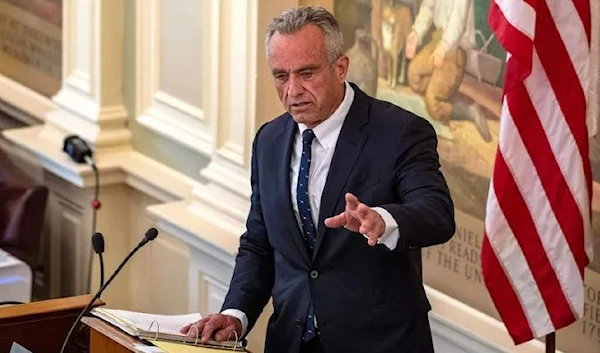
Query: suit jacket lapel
[[283, 185], [347, 150]]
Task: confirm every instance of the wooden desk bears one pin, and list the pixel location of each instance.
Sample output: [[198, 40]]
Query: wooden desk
[[42, 326]]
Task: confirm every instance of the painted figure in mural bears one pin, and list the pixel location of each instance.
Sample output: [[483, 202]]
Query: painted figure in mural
[[437, 67], [396, 22], [363, 70]]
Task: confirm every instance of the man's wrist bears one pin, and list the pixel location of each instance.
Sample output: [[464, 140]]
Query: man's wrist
[[240, 315], [391, 234]]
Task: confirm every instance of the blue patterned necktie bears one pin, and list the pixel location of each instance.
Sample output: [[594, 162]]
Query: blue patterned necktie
[[308, 228]]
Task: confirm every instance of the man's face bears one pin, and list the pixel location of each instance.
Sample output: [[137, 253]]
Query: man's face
[[309, 86]]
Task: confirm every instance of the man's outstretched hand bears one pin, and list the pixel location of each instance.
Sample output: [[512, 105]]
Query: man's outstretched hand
[[359, 218], [217, 327]]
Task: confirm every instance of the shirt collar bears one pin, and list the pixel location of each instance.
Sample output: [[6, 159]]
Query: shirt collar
[[327, 131]]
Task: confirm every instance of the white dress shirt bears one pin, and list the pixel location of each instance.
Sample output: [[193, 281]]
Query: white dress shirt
[[323, 146]]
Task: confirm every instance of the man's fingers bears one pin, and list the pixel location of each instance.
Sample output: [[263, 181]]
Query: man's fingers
[[226, 334], [372, 226], [362, 211], [184, 330], [195, 329], [373, 237], [336, 221], [351, 202], [209, 329]]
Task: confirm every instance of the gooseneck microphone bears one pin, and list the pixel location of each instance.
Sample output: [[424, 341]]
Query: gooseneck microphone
[[98, 245], [151, 234]]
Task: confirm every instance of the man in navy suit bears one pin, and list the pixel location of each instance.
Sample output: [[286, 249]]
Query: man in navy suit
[[346, 190]]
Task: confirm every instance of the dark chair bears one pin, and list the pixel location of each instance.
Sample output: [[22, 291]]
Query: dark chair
[[22, 209]]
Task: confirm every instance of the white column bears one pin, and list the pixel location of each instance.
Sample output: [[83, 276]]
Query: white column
[[246, 99], [224, 199], [90, 99]]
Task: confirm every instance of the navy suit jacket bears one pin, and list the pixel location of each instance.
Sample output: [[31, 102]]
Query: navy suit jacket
[[363, 296]]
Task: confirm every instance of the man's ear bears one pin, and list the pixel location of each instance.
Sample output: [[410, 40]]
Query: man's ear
[[341, 67]]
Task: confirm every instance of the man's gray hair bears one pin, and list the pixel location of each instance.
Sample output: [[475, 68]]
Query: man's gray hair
[[292, 20]]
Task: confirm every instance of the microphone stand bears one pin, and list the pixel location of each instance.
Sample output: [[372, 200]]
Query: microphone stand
[[146, 239], [96, 204]]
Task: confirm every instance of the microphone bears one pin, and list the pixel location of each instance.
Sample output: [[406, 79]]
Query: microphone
[[98, 245], [77, 149], [151, 234]]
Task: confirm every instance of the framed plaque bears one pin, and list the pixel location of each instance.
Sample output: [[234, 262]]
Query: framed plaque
[[31, 43]]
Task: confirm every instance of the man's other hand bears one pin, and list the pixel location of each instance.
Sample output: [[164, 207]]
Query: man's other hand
[[218, 327], [359, 218]]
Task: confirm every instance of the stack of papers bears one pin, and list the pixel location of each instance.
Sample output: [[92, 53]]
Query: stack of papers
[[160, 329]]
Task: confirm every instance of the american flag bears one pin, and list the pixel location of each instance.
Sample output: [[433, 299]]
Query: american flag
[[537, 229]]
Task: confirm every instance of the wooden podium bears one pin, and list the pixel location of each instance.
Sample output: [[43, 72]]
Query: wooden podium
[[42, 326]]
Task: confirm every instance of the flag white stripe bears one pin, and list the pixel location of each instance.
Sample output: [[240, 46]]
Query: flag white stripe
[[517, 270], [561, 140], [519, 14], [569, 25], [530, 187]]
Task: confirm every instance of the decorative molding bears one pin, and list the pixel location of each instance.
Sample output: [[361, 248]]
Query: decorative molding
[[66, 122], [154, 178], [161, 112], [166, 260], [190, 136], [226, 198], [457, 322], [214, 294], [66, 226], [17, 98], [211, 253], [237, 115], [90, 100], [122, 166], [449, 338], [200, 235], [233, 152]]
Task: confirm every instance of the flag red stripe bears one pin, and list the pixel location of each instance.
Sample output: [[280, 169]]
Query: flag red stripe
[[565, 84], [557, 190], [504, 296], [583, 8], [521, 222], [517, 43]]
